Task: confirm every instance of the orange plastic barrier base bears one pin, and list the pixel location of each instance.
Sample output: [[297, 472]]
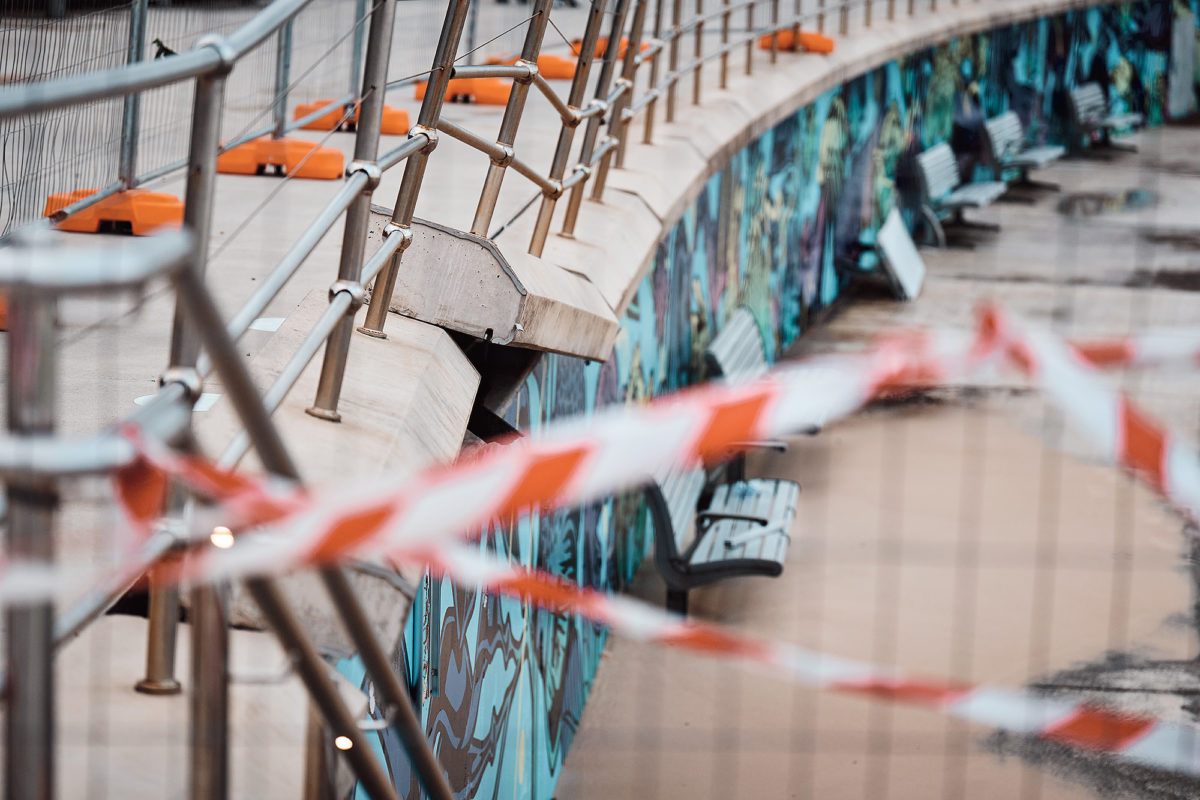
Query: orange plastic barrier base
[[142, 210], [287, 156], [395, 120], [812, 42], [550, 67], [3, 313], [485, 91], [602, 46]]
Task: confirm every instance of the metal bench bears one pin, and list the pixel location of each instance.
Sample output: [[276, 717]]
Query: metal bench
[[743, 529], [1006, 145], [945, 196], [737, 355], [1091, 116]]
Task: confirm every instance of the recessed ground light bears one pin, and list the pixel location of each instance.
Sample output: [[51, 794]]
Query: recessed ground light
[[221, 537]]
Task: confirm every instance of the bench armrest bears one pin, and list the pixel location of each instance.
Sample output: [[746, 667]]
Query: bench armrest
[[707, 518], [767, 444]]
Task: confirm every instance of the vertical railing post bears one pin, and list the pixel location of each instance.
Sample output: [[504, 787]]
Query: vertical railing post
[[29, 638], [697, 51], [673, 58], [283, 70], [821, 15], [414, 167], [566, 135], [774, 31], [648, 133], [358, 215], [891, 10], [587, 148], [725, 45], [618, 126], [750, 38], [844, 19], [912, 7], [161, 633], [867, 13], [472, 32], [511, 120], [356, 53], [209, 777], [131, 116]]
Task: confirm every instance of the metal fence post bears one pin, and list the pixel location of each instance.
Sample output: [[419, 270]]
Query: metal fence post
[[360, 8], [891, 10], [648, 133], [750, 39], [618, 126], [673, 58], [161, 633], [472, 32], [607, 67], [414, 168], [724, 45], [283, 70], [209, 724], [867, 13], [774, 31], [844, 19], [512, 118], [697, 51], [358, 215], [29, 725], [821, 15], [912, 7], [131, 116], [566, 135]]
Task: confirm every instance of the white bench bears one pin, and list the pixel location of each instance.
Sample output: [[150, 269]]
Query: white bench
[[744, 529], [1006, 143], [945, 196], [1091, 116]]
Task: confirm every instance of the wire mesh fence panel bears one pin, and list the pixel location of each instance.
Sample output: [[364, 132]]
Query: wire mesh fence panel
[[63, 150]]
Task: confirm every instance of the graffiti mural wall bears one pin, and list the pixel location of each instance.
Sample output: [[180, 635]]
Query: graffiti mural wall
[[781, 230]]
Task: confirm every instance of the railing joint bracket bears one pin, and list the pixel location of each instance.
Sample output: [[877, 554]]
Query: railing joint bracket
[[358, 295], [368, 168]]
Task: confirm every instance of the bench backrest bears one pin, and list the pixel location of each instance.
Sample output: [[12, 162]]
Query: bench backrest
[[1005, 135], [1088, 102], [736, 353], [939, 171], [672, 500]]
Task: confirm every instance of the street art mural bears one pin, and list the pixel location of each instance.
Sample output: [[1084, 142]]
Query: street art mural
[[783, 229]]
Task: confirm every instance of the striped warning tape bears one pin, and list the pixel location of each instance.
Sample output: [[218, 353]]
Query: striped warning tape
[[1180, 346], [1125, 434], [419, 517], [1139, 738]]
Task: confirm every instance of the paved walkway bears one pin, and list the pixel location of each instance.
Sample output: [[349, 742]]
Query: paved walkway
[[959, 532]]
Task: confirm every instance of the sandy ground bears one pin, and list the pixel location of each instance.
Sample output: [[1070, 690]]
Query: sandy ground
[[964, 532]]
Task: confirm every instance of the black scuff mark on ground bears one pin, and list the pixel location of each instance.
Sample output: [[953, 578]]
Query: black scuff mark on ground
[[1121, 682], [1091, 204]]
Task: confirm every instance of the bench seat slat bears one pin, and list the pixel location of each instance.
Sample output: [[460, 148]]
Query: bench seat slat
[[974, 195], [773, 500], [1035, 157]]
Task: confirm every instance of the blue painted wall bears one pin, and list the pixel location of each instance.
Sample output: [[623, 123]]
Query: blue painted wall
[[779, 231]]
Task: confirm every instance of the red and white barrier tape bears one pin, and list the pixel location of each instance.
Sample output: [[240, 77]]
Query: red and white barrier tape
[[1139, 738], [1180, 346], [418, 517], [1124, 433]]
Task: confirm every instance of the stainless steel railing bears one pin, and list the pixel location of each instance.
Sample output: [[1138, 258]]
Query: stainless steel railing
[[33, 461]]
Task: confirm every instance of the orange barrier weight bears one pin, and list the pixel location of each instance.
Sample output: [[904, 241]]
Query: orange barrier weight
[[142, 210], [485, 91], [550, 67], [294, 157], [602, 46], [395, 120], [459, 89], [786, 40]]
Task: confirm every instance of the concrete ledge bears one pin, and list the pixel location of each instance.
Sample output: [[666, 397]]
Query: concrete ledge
[[667, 175]]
